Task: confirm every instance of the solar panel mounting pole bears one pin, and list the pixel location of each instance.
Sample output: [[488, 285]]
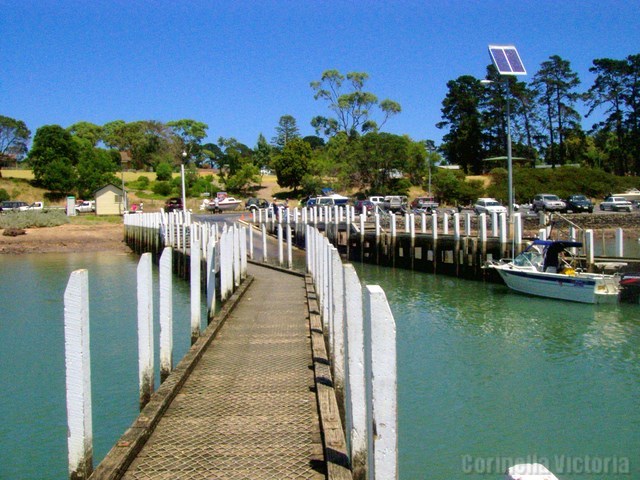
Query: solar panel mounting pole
[[507, 61]]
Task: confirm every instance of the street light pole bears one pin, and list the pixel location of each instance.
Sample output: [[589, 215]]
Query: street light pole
[[184, 198]]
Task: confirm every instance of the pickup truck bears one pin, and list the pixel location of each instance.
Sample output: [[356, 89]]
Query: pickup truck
[[86, 206]]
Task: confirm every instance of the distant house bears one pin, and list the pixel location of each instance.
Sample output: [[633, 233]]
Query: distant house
[[109, 200]]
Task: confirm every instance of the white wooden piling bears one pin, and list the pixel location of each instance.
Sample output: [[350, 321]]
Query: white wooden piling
[[377, 217], [482, 227], [445, 223], [503, 228], [517, 229], [434, 225], [383, 384], [289, 248], [235, 241], [194, 272], [494, 224], [242, 234], [212, 249], [406, 223], [145, 329], [412, 225], [589, 247], [251, 241], [619, 243], [78, 375], [337, 303], [467, 224], [280, 245], [356, 403], [423, 222], [264, 243], [166, 314], [393, 225], [456, 226]]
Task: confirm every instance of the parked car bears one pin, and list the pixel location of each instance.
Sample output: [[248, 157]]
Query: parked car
[[36, 206], [368, 205], [579, 203], [616, 204], [395, 203], [376, 200], [86, 206], [254, 203], [424, 203], [14, 205], [174, 203], [548, 202], [488, 205]]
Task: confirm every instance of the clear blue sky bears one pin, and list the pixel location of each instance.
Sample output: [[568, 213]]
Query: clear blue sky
[[240, 65]]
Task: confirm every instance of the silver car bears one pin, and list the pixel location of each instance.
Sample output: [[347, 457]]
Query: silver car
[[548, 202]]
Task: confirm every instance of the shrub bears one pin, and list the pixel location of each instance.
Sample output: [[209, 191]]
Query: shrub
[[47, 218], [162, 188], [4, 195], [143, 181], [163, 171]]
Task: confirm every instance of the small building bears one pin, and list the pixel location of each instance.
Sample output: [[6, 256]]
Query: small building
[[110, 200]]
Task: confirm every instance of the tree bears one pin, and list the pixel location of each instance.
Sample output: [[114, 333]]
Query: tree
[[190, 133], [96, 168], [461, 114], [293, 163], [262, 153], [14, 138], [617, 90], [286, 130], [53, 157], [352, 109], [554, 85], [87, 131]]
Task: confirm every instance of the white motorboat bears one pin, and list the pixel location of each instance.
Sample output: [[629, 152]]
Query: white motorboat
[[224, 205], [543, 271]]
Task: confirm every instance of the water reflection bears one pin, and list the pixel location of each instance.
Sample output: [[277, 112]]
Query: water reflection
[[484, 371]]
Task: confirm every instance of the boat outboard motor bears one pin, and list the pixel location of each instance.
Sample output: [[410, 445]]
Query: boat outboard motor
[[630, 288]]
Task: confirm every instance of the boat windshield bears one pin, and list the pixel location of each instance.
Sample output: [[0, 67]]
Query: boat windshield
[[530, 258]]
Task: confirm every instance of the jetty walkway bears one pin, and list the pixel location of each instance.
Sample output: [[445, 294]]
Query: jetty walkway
[[248, 407]]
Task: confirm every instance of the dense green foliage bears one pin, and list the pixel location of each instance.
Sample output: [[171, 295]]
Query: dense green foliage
[[14, 137], [545, 123]]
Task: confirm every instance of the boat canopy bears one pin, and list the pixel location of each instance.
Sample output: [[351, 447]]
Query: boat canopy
[[552, 250]]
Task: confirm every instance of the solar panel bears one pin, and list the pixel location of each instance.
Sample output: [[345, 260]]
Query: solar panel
[[507, 60]]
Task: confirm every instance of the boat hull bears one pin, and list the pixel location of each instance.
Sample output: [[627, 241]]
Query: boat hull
[[583, 289]]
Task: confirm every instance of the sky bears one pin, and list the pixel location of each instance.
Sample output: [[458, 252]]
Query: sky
[[239, 66]]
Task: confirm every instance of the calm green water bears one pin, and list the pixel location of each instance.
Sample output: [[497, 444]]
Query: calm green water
[[33, 433], [487, 376]]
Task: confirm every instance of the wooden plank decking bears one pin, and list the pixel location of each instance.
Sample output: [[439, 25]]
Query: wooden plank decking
[[248, 409]]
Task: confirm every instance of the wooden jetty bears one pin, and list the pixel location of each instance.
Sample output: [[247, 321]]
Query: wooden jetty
[[243, 406]]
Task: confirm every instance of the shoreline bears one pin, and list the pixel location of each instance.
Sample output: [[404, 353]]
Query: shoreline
[[67, 238]]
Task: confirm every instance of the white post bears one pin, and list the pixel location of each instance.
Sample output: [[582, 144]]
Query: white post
[[494, 224], [445, 223], [542, 234], [377, 217], [211, 277], [423, 222], [383, 383], [619, 243], [337, 294], [412, 225], [78, 375], [482, 227], [393, 225], [456, 226], [251, 241], [356, 404], [235, 242], [503, 227], [434, 225], [145, 329], [588, 244], [280, 246], [406, 223], [166, 314], [517, 228], [467, 224], [264, 243], [195, 291], [289, 248]]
